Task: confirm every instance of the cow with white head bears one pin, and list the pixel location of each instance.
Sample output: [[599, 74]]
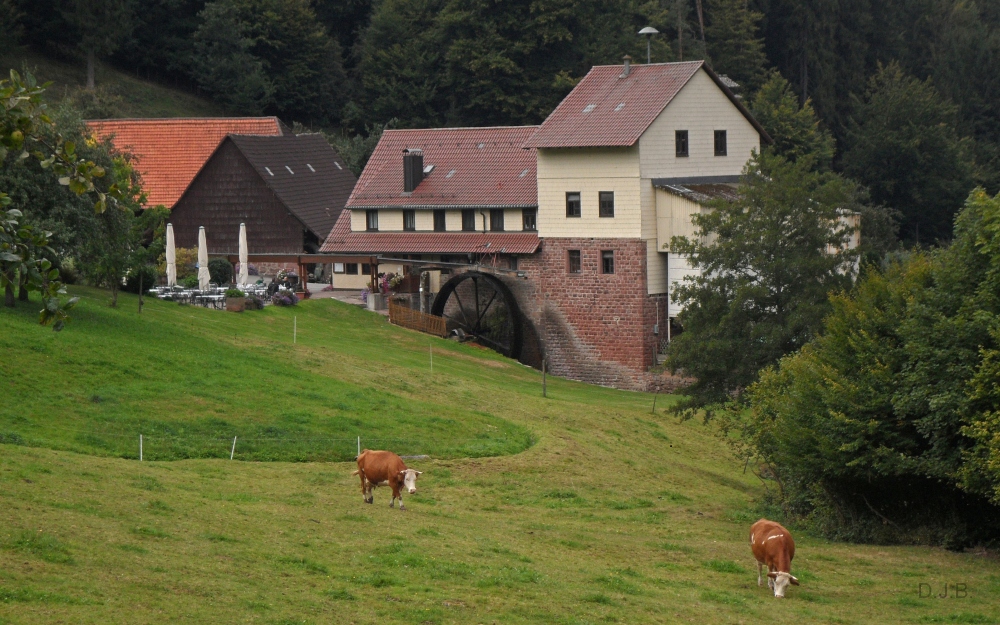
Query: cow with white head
[[773, 546], [381, 468]]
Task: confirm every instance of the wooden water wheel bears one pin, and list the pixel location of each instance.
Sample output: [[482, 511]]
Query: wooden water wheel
[[478, 306]]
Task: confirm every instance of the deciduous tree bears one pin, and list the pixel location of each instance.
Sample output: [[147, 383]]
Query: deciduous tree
[[766, 270]]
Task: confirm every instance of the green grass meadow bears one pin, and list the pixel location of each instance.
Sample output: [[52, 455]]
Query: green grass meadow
[[583, 507], [126, 95]]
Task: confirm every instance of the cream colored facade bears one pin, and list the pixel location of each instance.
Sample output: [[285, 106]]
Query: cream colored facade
[[673, 219], [391, 220], [700, 108]]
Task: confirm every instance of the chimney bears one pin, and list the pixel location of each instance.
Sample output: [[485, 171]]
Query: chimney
[[413, 169], [628, 66]]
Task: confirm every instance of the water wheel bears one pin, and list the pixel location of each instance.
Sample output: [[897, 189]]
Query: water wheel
[[478, 306]]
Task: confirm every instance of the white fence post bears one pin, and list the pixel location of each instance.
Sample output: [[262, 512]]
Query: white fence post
[[234, 449]]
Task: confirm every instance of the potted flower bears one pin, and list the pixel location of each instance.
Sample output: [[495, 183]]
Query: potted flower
[[236, 300]]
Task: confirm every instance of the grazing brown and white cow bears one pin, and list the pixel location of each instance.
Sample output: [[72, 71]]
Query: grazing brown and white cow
[[773, 547], [378, 468]]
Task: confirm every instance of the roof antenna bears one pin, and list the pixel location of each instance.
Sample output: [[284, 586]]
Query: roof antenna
[[648, 32]]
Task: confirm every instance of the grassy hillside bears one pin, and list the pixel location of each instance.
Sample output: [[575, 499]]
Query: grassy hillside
[[614, 514], [118, 94]]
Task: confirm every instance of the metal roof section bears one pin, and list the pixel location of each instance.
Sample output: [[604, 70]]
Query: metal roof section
[[701, 193], [610, 107]]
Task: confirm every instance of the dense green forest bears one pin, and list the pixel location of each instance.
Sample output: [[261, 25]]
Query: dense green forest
[[352, 65]]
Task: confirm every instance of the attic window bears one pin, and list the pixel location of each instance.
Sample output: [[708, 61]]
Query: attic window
[[269, 170], [289, 170], [524, 173], [428, 170], [337, 164], [450, 174], [310, 168], [589, 108], [619, 107]]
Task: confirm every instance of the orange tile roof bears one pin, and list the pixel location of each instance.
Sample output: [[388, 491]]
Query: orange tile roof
[[170, 152]]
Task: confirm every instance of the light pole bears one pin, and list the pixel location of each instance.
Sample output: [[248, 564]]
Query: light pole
[[648, 32]]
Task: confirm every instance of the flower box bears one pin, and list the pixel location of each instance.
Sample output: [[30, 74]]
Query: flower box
[[236, 304]]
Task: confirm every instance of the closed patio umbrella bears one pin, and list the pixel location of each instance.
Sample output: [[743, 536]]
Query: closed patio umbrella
[[244, 271], [171, 257], [203, 276]]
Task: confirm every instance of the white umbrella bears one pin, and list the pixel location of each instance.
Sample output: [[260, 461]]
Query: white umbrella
[[244, 271], [171, 257], [203, 276]]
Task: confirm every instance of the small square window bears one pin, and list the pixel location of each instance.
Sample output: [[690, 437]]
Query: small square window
[[409, 220], [371, 218], [366, 269], [720, 142], [496, 219], [338, 267], [439, 221], [468, 220], [573, 204], [607, 261], [574, 261], [681, 142], [607, 200], [529, 219], [351, 269]]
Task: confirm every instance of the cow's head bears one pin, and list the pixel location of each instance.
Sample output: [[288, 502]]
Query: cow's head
[[781, 582], [409, 477]]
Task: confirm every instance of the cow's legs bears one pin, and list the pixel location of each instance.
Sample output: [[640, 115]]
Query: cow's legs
[[760, 580], [401, 506], [770, 582]]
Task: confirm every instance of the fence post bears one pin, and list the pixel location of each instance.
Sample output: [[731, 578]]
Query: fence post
[[140, 448], [233, 450]]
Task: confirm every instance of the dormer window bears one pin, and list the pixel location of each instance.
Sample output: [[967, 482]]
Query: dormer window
[[720, 142], [371, 220], [681, 143], [409, 219], [440, 225]]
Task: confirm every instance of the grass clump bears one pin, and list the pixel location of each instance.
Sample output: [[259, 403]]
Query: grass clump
[[41, 545], [724, 566]]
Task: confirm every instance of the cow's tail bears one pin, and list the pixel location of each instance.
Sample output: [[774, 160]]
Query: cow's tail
[[355, 472]]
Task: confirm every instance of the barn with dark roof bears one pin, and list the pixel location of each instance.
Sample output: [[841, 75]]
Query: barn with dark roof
[[288, 190]]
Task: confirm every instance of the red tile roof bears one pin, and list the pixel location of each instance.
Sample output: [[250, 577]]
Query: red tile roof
[[170, 152], [343, 241], [608, 109], [481, 167]]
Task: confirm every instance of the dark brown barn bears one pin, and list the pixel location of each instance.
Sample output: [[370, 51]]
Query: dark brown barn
[[288, 190]]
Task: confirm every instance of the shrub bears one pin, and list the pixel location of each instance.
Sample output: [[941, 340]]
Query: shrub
[[220, 270], [142, 276], [185, 260], [235, 293], [284, 298], [254, 302], [68, 273], [188, 282]]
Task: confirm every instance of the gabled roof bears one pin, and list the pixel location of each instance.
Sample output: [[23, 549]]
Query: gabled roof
[[343, 241], [475, 167], [170, 152], [304, 172], [608, 109]]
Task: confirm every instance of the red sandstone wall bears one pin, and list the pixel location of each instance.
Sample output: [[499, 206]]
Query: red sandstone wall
[[593, 326]]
